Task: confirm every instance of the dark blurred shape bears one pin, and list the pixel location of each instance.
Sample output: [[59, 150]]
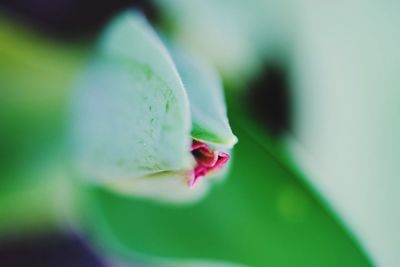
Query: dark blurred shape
[[48, 251], [72, 18], [269, 99]]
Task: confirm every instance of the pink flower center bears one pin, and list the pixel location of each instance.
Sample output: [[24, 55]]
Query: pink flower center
[[207, 160]]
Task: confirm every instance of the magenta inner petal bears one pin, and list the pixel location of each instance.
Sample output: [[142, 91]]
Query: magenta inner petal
[[207, 161]]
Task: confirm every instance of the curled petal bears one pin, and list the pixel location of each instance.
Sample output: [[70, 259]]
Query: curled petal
[[207, 160]]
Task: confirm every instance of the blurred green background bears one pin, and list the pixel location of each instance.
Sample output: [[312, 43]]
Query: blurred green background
[[267, 212]]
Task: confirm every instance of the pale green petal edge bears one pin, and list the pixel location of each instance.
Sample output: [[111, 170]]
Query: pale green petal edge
[[207, 104]]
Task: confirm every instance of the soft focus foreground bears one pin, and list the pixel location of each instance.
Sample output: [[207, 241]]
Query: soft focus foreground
[[312, 95]]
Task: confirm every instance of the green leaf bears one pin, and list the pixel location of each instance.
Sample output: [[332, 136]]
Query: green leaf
[[262, 216]]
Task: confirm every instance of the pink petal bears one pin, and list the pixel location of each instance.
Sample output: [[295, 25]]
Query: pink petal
[[207, 161]]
